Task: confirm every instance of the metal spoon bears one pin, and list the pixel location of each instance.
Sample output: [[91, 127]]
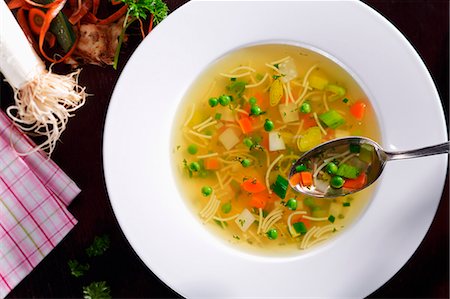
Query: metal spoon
[[373, 170]]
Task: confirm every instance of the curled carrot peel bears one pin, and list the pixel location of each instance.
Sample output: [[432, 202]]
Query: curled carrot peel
[[114, 17], [36, 18], [80, 12]]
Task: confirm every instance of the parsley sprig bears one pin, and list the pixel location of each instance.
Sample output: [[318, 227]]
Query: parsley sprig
[[97, 290], [139, 10]]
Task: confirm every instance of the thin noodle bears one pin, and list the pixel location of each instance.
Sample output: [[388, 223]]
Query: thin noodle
[[190, 116], [268, 172], [258, 83], [318, 123], [280, 60], [202, 123]]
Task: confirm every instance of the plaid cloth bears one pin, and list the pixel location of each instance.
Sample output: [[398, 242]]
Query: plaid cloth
[[34, 194]]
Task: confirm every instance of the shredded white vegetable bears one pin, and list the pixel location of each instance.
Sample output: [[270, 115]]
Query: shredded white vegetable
[[43, 106]]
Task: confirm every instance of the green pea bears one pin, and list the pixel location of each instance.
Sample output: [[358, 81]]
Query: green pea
[[226, 207], [213, 102], [292, 204], [268, 125], [248, 142], [337, 182], [272, 234], [194, 166], [305, 107], [246, 162], [192, 149], [255, 110], [224, 100], [331, 168], [206, 190]]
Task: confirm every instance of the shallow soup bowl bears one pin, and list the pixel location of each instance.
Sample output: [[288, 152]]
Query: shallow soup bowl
[[153, 213]]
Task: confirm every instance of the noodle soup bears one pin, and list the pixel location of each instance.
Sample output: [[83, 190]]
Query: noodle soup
[[242, 125]]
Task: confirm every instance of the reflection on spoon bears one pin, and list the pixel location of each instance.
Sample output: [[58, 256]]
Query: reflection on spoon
[[347, 165]]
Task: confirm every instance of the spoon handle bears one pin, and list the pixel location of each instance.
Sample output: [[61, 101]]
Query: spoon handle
[[421, 152]]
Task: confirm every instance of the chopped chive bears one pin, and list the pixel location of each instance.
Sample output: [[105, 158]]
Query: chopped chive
[[346, 204]]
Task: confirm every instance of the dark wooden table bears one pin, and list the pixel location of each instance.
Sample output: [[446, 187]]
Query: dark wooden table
[[424, 23]]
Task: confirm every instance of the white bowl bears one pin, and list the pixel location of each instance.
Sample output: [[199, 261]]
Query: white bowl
[[164, 232]]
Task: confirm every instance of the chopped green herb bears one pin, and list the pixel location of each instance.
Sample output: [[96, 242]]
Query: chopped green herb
[[345, 100], [218, 116], [97, 290], [222, 224], [99, 246], [331, 218], [277, 65], [232, 79], [241, 222], [252, 101], [346, 204], [77, 269], [236, 237]]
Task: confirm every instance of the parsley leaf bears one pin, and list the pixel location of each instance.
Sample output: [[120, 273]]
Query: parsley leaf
[[77, 269], [97, 290], [99, 246], [139, 10]]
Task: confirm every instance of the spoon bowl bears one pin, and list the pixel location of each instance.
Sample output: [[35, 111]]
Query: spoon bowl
[[347, 165]]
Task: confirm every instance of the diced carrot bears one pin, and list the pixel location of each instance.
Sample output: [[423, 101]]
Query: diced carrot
[[258, 200], [306, 178], [246, 125], [358, 110], [357, 183], [295, 179], [212, 163], [308, 121], [36, 18], [253, 186]]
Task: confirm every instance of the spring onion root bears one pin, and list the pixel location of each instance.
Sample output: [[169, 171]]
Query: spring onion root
[[43, 106]]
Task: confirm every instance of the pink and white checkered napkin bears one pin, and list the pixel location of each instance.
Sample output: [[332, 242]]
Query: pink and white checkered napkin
[[34, 194]]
